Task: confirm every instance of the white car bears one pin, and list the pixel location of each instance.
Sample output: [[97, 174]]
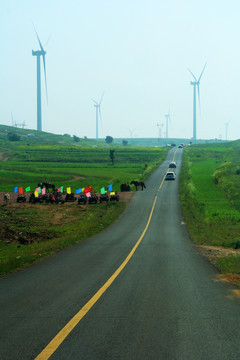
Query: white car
[[170, 175]]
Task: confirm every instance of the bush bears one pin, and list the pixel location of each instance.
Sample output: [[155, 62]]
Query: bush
[[13, 137], [76, 138], [109, 139]]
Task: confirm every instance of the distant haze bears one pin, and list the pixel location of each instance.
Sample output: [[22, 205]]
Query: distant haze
[[137, 51]]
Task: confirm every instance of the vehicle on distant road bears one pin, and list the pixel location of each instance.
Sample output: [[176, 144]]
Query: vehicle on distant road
[[172, 164], [170, 175]]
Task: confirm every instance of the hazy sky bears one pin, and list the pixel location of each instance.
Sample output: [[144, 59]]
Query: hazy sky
[[137, 51]]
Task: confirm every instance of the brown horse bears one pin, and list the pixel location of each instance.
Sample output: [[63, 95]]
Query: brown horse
[[138, 183]]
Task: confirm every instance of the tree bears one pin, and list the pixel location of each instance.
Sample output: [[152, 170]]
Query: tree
[[76, 138], [109, 139], [124, 142], [13, 137], [112, 156]]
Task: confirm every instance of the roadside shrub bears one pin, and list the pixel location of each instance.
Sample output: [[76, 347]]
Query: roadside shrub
[[229, 264], [13, 137], [233, 244]]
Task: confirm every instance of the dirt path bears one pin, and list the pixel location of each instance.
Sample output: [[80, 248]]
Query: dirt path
[[75, 178]]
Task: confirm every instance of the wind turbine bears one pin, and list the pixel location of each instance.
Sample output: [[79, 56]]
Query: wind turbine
[[97, 105], [167, 117], [226, 129], [12, 119], [38, 54], [195, 84], [160, 126]]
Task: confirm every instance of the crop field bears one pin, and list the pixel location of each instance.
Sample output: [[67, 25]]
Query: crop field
[[210, 195], [30, 232], [76, 166]]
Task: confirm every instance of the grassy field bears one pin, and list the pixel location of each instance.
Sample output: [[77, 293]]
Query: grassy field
[[29, 233], [210, 192], [210, 195], [75, 166]]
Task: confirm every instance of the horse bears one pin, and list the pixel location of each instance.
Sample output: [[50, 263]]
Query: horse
[[138, 183], [47, 186]]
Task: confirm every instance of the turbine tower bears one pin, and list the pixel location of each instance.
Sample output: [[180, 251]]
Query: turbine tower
[[226, 130], [38, 54], [167, 117], [97, 105], [195, 84], [160, 126]]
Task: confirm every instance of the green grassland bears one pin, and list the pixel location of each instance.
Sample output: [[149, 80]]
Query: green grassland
[[210, 195], [28, 232], [76, 166], [32, 233]]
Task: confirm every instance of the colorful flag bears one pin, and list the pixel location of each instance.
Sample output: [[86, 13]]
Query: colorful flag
[[36, 193], [43, 191], [88, 194], [16, 189], [110, 187], [112, 193], [88, 189], [102, 190], [20, 190], [78, 191], [68, 190], [27, 189]]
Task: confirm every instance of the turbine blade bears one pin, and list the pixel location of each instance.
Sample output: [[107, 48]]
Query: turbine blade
[[202, 73], [40, 44], [48, 40], [192, 74], [101, 98], [94, 101], [45, 76]]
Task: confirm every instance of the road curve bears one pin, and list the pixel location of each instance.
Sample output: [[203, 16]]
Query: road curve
[[167, 302]]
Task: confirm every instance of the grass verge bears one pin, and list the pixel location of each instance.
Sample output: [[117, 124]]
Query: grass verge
[[41, 231], [210, 199]]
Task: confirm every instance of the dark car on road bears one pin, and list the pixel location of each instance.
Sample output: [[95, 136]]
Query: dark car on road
[[172, 164], [170, 175]]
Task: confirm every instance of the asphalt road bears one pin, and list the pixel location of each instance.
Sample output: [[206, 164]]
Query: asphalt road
[[167, 302]]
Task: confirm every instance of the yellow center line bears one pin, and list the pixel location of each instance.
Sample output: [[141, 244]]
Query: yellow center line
[[61, 336]]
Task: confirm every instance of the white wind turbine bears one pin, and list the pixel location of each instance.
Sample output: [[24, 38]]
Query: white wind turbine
[[167, 118], [38, 54], [97, 105], [195, 84]]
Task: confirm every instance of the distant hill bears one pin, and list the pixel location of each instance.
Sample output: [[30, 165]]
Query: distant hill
[[41, 137], [37, 137]]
